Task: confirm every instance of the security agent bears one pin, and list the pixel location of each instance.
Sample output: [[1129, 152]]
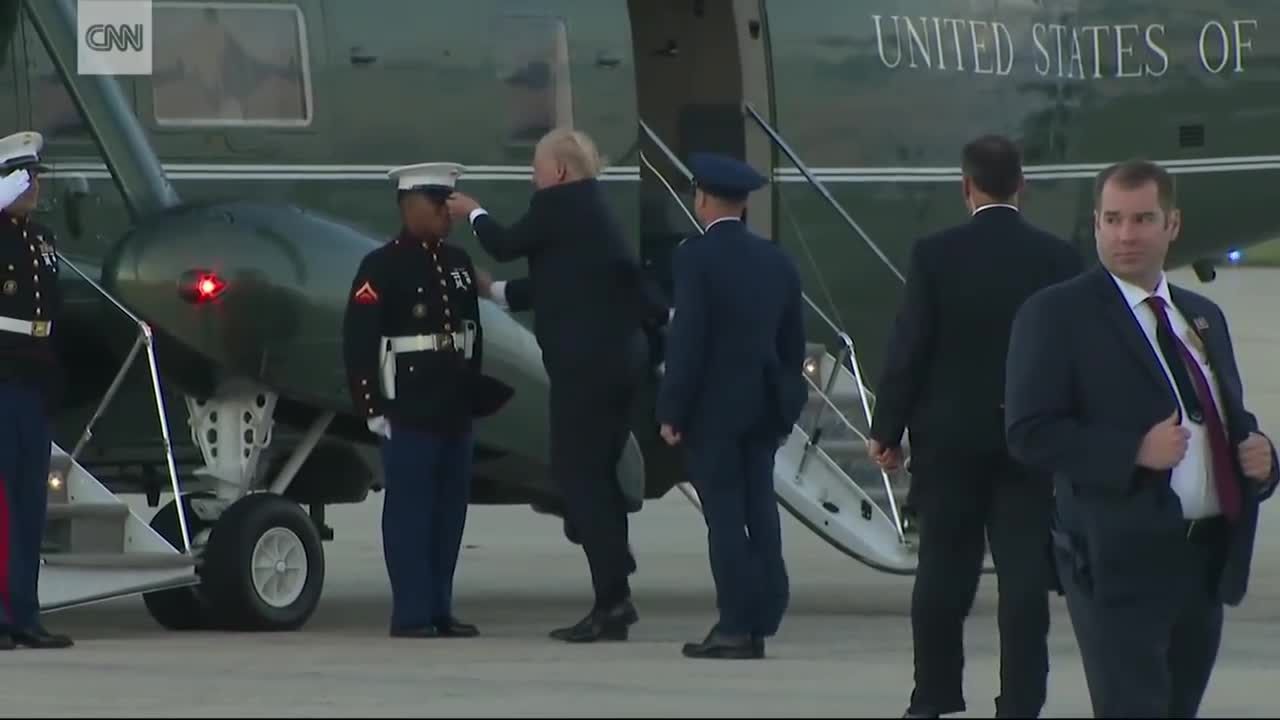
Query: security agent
[[733, 387], [29, 388], [944, 381], [413, 347]]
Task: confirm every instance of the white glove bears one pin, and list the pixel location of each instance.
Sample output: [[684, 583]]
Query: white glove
[[379, 426], [12, 187]]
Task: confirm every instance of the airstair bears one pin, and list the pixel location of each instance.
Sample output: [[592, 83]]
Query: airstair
[[95, 547], [822, 473]]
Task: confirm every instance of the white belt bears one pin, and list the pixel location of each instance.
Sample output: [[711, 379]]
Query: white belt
[[462, 342], [423, 343], [32, 328]]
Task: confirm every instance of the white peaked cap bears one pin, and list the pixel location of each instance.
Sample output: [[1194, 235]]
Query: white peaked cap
[[20, 150], [427, 176]]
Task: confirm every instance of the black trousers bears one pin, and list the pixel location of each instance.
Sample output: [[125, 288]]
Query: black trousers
[[1151, 657], [590, 422], [960, 502]]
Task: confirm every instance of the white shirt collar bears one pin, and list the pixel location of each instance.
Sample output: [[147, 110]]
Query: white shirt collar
[[995, 205], [726, 218], [1135, 295]]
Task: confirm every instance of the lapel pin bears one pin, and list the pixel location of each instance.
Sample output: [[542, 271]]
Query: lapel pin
[[1196, 342], [1201, 324]]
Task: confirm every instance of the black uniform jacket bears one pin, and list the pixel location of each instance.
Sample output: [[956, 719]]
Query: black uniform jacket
[[411, 287], [29, 292], [585, 286]]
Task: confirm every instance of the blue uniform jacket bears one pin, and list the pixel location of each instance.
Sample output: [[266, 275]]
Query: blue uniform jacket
[[735, 348]]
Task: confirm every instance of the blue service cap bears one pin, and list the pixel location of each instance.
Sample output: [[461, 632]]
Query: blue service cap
[[724, 176]]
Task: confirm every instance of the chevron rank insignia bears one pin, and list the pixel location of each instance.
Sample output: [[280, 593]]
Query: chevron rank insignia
[[366, 295]]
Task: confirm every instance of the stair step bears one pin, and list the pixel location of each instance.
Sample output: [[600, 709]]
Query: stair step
[[58, 511], [843, 448], [125, 561]]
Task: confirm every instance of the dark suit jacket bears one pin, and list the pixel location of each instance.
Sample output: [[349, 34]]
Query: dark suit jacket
[[1084, 388], [585, 286], [944, 371], [735, 348]]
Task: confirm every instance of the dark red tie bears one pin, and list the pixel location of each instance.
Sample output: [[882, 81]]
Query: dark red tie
[[1223, 469]]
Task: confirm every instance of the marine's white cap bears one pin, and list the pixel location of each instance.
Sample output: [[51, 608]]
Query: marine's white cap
[[437, 176], [21, 150]]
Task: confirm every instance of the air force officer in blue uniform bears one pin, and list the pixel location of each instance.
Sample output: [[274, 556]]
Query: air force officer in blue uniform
[[732, 388]]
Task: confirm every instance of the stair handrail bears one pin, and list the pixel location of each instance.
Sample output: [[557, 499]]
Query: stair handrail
[[845, 341], [822, 189], [683, 170], [145, 339]]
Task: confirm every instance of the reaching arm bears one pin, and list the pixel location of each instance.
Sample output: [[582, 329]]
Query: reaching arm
[[909, 348], [507, 244], [515, 295], [685, 356], [1040, 422], [361, 334]]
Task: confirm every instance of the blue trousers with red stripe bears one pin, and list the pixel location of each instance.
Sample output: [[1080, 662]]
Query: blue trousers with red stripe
[[24, 500], [424, 512]]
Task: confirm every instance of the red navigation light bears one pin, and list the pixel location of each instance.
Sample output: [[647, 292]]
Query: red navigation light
[[209, 287], [201, 286]]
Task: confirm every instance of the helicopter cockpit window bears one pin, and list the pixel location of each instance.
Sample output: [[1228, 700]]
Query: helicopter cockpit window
[[532, 62], [231, 64]]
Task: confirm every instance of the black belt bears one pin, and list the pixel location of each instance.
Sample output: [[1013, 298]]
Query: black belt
[[1205, 530]]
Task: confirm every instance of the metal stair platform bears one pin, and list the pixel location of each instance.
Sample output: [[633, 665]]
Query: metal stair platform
[[96, 548]]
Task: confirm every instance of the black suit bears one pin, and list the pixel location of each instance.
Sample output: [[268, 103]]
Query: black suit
[[1144, 588], [590, 303], [944, 379]]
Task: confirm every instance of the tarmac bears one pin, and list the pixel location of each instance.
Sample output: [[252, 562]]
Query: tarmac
[[844, 649]]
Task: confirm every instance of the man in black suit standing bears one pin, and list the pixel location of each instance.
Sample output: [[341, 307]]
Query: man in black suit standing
[[1127, 389], [590, 302], [944, 380]]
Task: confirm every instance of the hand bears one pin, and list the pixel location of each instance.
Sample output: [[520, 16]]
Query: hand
[[887, 458], [1255, 458], [1164, 445], [13, 186], [670, 435], [379, 426], [460, 205], [484, 283]]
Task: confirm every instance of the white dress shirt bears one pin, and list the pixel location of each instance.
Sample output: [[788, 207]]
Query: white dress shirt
[[995, 205], [717, 221], [1192, 477]]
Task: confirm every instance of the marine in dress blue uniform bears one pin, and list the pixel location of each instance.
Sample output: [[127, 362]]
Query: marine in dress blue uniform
[[732, 388], [29, 388], [413, 348]]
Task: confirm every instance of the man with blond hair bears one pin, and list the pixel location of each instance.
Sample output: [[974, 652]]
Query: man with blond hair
[[590, 302]]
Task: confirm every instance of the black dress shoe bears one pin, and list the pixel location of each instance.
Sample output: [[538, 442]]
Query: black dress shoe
[[41, 639], [429, 631], [719, 646], [453, 627], [611, 624]]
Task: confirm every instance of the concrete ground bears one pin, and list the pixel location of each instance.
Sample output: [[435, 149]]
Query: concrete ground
[[845, 648]]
